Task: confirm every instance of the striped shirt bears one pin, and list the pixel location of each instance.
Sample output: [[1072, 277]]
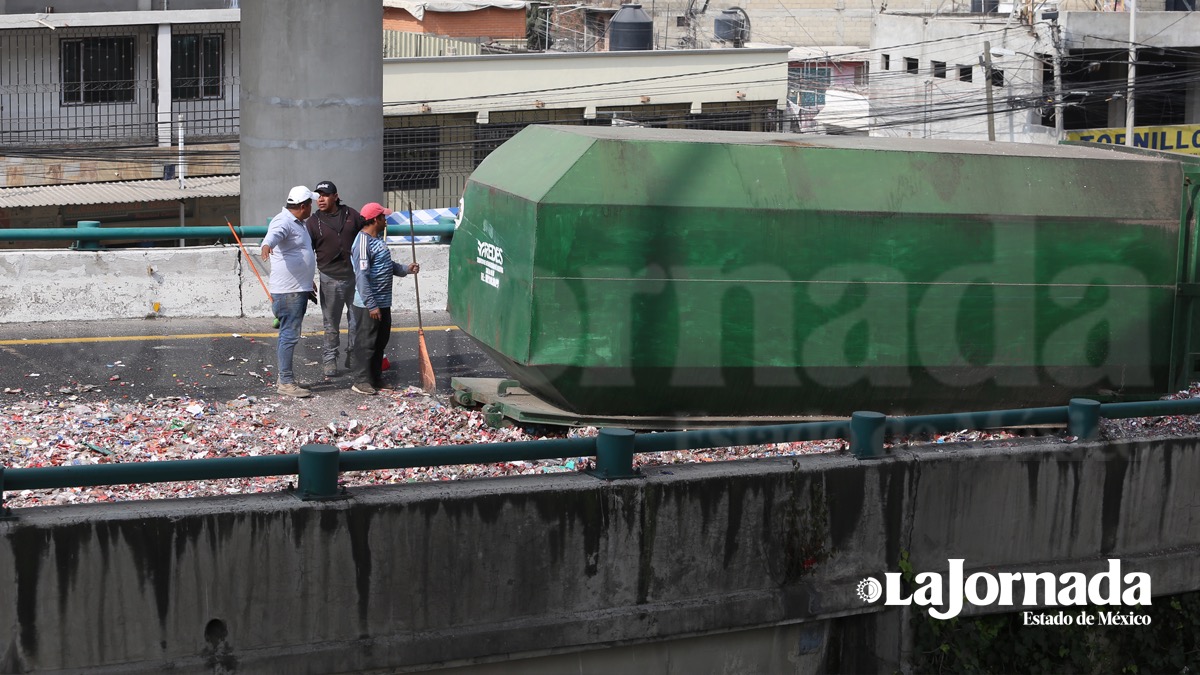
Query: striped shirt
[[373, 270]]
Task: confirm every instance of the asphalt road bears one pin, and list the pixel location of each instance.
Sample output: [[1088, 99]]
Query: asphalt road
[[214, 359]]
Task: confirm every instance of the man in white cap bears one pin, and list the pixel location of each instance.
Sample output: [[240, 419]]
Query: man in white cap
[[293, 265]]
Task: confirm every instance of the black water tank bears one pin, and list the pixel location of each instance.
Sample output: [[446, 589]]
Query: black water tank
[[630, 29], [730, 26]]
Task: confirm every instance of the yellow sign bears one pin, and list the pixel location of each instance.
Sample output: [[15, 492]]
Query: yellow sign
[[1183, 138]]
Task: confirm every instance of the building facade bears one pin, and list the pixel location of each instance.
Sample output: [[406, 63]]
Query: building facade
[[1033, 76]]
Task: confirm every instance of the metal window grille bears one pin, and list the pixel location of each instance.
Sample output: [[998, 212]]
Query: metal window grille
[[429, 165], [196, 66], [98, 69], [209, 75], [98, 85], [488, 137], [411, 158]]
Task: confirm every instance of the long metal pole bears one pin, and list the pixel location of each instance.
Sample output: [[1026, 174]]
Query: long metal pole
[[1058, 85], [180, 170], [987, 85], [1132, 72]]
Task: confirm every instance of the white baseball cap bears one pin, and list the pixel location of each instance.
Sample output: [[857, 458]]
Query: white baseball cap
[[299, 195]]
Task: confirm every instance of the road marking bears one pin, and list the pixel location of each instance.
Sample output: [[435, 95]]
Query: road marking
[[189, 336]]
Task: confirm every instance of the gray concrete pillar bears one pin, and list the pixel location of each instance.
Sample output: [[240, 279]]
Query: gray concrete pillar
[[311, 101]]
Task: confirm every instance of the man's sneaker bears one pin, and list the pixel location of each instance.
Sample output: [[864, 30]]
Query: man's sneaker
[[349, 362], [293, 389], [363, 388], [330, 369]]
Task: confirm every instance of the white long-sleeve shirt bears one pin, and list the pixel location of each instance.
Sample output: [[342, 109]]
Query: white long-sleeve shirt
[[293, 263]]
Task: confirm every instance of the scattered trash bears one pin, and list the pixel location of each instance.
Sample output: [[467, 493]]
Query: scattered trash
[[41, 429]]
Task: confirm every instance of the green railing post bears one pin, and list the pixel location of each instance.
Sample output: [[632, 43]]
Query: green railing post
[[866, 434], [87, 245], [614, 454], [1083, 418], [318, 472]]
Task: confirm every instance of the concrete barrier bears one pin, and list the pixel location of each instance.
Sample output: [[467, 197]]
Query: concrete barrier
[[567, 572], [193, 282]]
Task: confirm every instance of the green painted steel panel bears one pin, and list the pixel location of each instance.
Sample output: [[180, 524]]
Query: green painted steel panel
[[656, 271]]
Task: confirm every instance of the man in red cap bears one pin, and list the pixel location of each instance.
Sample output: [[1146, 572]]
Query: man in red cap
[[373, 271]]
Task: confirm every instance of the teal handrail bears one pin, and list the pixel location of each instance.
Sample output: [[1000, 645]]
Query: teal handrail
[[86, 475], [187, 232], [319, 466]]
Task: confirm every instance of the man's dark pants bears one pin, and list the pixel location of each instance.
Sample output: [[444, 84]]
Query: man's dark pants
[[369, 344]]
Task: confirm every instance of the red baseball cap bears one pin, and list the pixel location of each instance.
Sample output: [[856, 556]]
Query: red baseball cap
[[374, 210]]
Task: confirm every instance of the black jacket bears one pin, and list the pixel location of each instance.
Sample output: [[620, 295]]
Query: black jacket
[[331, 239]]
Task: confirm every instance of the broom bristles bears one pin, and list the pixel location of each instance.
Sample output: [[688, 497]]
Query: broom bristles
[[428, 381]]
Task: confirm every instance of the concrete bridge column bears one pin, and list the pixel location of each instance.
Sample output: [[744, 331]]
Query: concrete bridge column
[[312, 101]]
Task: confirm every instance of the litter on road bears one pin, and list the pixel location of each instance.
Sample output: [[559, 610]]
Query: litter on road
[[41, 430]]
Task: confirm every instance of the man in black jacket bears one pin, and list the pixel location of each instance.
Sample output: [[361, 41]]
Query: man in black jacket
[[333, 227]]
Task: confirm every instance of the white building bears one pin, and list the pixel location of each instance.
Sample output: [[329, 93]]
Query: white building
[[930, 76]]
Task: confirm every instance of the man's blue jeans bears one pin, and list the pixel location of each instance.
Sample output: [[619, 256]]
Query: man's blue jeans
[[337, 296], [289, 309]]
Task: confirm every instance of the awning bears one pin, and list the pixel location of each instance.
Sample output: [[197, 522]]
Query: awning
[[420, 217], [418, 7], [829, 53], [121, 192]]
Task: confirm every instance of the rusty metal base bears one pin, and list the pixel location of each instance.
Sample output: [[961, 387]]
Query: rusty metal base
[[504, 399]]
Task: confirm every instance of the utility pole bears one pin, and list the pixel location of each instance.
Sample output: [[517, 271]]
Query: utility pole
[[1132, 72], [1058, 85], [987, 85]]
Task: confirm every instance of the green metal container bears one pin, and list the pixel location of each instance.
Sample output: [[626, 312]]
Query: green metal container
[[656, 272]]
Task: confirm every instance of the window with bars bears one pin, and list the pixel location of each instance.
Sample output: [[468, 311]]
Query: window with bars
[[734, 120], [488, 137], [411, 158], [196, 66], [98, 70], [809, 84]]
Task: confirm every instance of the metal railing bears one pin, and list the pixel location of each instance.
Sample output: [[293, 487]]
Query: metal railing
[[80, 234], [319, 466], [90, 88]]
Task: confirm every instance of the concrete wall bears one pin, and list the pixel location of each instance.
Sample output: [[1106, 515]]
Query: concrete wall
[[61, 285], [64, 6], [502, 575], [921, 105]]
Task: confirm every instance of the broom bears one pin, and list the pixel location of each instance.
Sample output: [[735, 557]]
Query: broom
[[428, 381], [251, 261]]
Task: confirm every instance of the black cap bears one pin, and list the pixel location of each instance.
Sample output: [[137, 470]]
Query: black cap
[[326, 188]]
